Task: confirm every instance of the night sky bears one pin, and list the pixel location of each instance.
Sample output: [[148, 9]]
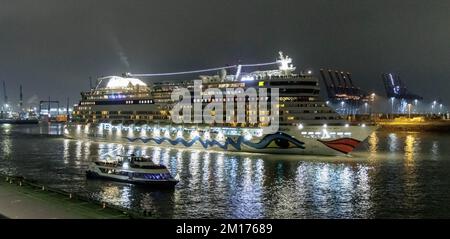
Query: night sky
[[52, 47]]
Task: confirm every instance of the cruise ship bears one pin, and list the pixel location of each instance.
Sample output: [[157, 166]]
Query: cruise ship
[[131, 109]]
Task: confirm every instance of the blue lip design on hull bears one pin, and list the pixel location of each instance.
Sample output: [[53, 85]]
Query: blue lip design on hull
[[263, 143]]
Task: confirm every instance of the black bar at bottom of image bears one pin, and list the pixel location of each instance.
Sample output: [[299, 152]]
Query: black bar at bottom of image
[[221, 228]]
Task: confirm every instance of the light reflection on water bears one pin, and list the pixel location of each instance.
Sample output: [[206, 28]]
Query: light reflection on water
[[390, 175]]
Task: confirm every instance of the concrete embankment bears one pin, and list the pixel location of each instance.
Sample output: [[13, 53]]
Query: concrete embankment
[[402, 122], [438, 126], [22, 199]]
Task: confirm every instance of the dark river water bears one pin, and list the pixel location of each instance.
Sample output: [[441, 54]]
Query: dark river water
[[391, 175]]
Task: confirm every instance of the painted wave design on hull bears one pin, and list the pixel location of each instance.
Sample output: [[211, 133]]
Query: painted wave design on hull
[[343, 145], [278, 140]]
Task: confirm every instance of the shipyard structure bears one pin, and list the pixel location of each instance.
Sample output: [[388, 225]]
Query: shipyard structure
[[343, 95]]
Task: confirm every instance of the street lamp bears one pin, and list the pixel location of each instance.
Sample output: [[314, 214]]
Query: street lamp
[[409, 110], [372, 99], [415, 105], [432, 107], [392, 104], [365, 105]]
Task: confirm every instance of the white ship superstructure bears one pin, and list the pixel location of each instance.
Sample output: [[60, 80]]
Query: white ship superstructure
[[125, 109]]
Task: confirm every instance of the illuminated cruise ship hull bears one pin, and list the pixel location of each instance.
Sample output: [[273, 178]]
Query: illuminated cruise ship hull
[[310, 140], [223, 112]]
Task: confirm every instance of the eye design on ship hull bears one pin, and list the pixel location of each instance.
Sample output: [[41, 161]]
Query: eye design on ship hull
[[283, 144], [278, 140]]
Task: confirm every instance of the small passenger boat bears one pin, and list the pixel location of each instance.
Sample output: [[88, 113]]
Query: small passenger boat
[[132, 169]]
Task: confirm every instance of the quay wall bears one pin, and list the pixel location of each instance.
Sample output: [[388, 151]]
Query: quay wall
[[56, 200]]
